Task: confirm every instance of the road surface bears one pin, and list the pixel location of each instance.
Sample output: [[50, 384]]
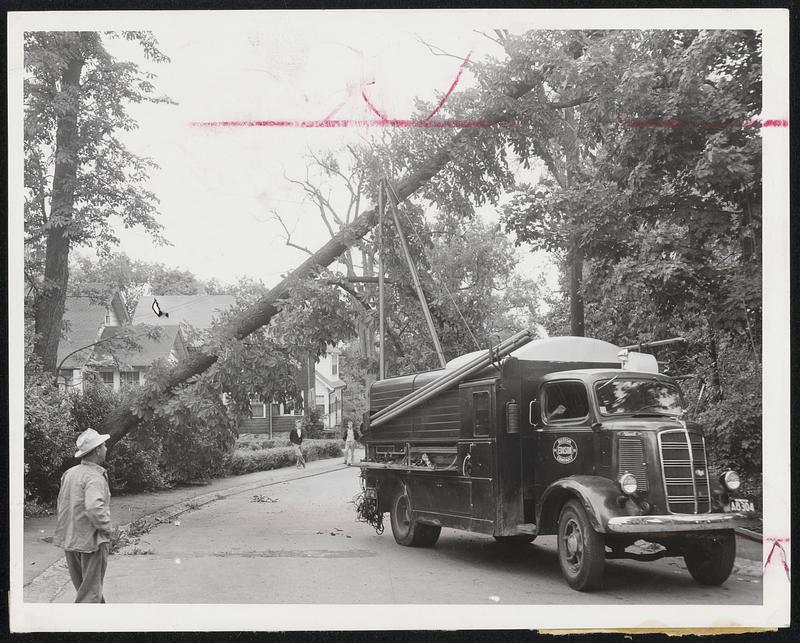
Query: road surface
[[298, 542]]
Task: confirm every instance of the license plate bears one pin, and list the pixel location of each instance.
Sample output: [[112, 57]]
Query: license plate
[[371, 492], [741, 504]]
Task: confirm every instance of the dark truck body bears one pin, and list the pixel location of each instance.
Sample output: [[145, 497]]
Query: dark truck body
[[483, 457]]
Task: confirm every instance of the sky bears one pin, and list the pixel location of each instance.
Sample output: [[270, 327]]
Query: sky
[[219, 187]]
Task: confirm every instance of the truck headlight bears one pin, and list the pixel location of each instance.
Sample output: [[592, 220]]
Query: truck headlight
[[628, 484], [731, 480]]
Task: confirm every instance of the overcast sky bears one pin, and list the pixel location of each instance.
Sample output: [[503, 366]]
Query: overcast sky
[[218, 186]]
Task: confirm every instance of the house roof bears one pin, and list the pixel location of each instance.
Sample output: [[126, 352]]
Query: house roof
[[150, 349], [83, 316], [195, 310], [332, 383]]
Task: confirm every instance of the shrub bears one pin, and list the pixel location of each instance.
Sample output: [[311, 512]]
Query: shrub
[[134, 466], [243, 461], [256, 442], [133, 462], [49, 438], [249, 461]]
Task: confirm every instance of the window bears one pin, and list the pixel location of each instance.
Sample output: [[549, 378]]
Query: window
[[107, 377], [291, 407], [257, 410], [335, 364], [128, 378], [565, 401], [64, 379], [621, 395], [481, 413]]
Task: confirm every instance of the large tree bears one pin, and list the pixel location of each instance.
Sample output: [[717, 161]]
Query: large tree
[[78, 172]]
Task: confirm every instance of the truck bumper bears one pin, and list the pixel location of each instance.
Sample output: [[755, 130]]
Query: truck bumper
[[677, 522]]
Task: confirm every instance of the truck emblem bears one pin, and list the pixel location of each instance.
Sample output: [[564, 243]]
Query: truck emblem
[[565, 450]]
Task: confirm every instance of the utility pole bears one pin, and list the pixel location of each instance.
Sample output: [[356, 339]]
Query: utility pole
[[418, 287], [381, 319]]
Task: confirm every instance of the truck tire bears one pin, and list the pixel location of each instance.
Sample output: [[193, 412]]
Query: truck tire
[[407, 531], [581, 550], [710, 559], [516, 540]]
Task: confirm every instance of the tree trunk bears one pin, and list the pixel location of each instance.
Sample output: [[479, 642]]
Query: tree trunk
[[122, 419], [576, 317], [575, 260], [52, 296], [715, 392]]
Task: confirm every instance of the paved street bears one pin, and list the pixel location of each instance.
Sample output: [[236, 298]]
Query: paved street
[[301, 544]]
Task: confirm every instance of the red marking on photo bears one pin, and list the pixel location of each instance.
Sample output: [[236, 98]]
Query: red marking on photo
[[386, 122], [383, 119], [777, 545], [677, 123]]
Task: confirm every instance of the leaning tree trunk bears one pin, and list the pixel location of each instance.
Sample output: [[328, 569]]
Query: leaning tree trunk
[[50, 302], [123, 419]]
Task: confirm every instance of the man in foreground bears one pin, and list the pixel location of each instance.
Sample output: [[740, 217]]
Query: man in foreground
[[83, 529]]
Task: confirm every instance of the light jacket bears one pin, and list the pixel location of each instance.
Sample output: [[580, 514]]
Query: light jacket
[[84, 509]]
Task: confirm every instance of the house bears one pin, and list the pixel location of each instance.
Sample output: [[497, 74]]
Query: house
[[197, 312], [119, 366], [92, 345], [84, 321]]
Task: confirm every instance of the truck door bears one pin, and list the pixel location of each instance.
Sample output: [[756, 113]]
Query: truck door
[[564, 439], [478, 427]]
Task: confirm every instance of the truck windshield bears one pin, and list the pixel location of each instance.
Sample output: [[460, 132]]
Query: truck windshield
[[629, 396]]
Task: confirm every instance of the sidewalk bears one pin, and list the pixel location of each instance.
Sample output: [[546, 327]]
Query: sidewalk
[[39, 553]]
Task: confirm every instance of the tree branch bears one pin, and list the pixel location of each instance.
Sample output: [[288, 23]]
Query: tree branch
[[289, 243]]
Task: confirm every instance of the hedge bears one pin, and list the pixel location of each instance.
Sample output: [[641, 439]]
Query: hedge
[[243, 461]]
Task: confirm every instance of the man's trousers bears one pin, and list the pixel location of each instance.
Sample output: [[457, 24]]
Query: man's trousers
[[87, 572]]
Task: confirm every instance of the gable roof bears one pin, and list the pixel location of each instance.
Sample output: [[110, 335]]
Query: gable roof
[[195, 310], [151, 349], [333, 383], [83, 316]]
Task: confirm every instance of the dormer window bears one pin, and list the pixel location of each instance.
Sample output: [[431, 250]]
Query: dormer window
[[108, 317]]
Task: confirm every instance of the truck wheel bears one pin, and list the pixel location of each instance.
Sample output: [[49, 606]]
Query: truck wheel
[[407, 531], [518, 539], [710, 559], [581, 550]]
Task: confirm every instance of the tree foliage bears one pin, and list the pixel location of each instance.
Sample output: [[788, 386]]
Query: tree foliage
[[98, 278], [80, 178]]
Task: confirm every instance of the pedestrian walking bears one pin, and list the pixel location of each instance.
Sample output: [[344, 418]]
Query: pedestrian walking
[[83, 527], [296, 438], [350, 437]]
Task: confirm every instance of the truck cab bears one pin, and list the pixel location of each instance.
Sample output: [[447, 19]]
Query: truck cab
[[567, 436]]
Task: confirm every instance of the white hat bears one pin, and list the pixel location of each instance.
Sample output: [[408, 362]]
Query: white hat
[[88, 440]]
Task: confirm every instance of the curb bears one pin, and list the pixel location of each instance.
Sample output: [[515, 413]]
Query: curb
[[51, 582]]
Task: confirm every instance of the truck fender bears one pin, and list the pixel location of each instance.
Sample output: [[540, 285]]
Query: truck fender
[[598, 496]]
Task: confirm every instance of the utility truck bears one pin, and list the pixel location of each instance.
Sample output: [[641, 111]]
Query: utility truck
[[568, 436]]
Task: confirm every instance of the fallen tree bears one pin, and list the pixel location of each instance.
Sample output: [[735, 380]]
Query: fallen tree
[[124, 419]]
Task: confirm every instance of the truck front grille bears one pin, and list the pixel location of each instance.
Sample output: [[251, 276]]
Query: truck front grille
[[683, 454], [630, 453]]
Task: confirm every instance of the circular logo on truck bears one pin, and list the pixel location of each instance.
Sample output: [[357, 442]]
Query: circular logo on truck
[[565, 450]]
